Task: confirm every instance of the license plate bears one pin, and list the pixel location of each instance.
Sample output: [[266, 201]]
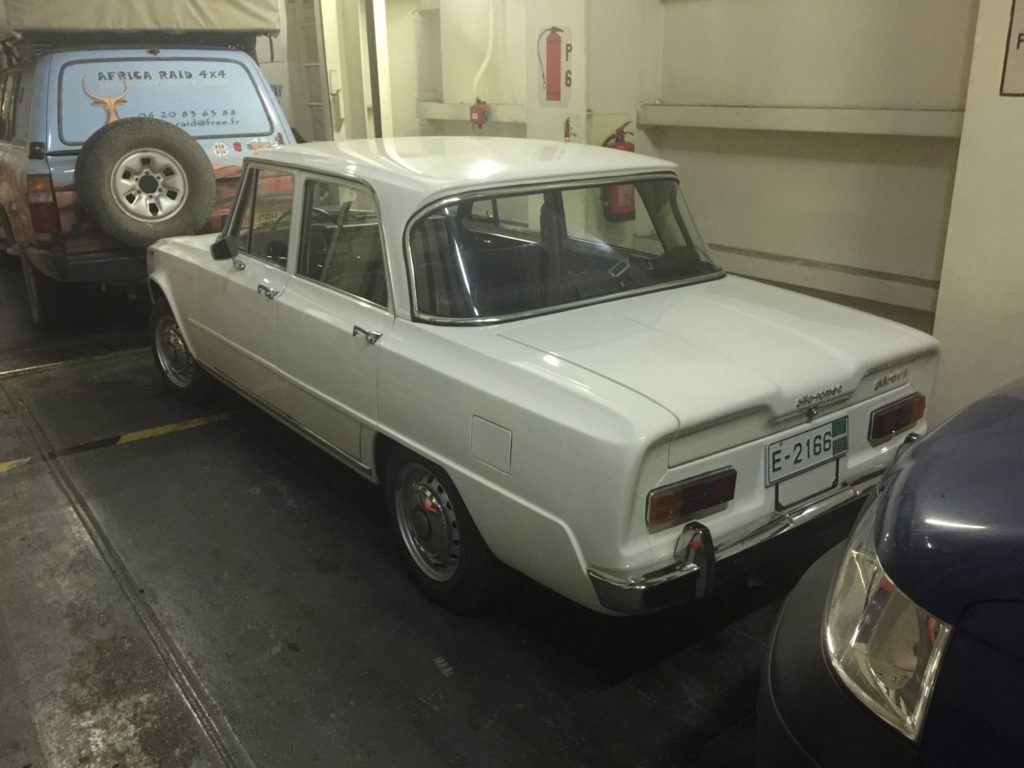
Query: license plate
[[807, 484], [795, 454]]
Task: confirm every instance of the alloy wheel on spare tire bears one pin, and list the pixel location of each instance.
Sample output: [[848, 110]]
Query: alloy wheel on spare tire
[[140, 179]]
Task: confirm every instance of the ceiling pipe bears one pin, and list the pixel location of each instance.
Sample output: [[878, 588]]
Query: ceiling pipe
[[490, 51]]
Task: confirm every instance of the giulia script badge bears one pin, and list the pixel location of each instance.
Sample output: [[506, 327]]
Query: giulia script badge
[[821, 397]]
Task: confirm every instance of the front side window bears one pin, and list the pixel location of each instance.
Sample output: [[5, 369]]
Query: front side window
[[263, 218], [508, 254], [341, 240]]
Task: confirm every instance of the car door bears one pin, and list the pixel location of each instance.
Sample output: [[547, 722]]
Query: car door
[[333, 318], [235, 316]]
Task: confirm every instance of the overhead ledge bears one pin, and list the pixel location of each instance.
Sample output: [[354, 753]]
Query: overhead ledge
[[886, 122]]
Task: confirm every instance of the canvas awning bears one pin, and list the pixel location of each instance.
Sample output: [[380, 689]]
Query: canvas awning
[[49, 18]]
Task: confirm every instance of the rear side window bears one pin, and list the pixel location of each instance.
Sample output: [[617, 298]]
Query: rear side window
[[341, 240], [208, 98]]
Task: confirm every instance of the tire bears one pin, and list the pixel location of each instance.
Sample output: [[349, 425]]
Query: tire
[[436, 537], [141, 179], [182, 375], [8, 260], [49, 301]]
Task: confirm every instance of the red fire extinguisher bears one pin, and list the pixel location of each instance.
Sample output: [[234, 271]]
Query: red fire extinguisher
[[551, 69], [619, 199], [479, 113]]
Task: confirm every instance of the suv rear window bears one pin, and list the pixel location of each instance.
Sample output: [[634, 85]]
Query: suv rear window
[[208, 98]]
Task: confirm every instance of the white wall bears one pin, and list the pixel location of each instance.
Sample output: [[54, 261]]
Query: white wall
[[801, 53], [436, 49], [857, 215], [402, 20], [863, 215], [464, 35], [980, 315], [625, 44]]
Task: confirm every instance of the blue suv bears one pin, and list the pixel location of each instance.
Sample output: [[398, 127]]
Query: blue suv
[[903, 647], [103, 151]]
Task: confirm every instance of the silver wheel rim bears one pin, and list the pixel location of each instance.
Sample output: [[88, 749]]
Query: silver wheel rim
[[426, 520], [176, 361], [149, 185]]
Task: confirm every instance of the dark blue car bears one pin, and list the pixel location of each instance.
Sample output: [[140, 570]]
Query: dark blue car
[[905, 646]]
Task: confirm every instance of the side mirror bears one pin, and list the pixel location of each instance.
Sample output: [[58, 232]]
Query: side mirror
[[223, 249]]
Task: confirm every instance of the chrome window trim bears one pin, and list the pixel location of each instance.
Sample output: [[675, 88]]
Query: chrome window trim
[[525, 189], [365, 303]]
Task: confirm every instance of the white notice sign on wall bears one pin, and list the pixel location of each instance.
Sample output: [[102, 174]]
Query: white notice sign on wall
[[1013, 64]]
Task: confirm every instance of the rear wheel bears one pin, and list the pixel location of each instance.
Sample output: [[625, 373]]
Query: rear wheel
[[49, 300], [182, 375], [436, 538]]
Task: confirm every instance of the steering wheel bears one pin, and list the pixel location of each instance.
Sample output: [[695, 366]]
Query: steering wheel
[[320, 241]]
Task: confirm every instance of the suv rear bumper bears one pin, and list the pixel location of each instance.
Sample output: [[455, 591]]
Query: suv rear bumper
[[113, 266]]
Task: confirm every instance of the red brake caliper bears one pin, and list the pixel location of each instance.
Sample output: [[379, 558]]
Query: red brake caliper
[[427, 505]]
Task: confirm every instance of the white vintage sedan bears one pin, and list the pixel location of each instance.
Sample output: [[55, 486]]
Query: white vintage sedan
[[530, 345]]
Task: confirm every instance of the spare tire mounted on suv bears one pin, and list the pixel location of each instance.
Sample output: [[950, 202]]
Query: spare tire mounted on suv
[[140, 179]]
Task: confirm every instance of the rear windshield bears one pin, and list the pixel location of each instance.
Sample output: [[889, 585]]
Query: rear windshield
[[506, 254], [208, 98]]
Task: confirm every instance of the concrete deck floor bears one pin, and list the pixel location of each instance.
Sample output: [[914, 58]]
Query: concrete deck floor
[[225, 594]]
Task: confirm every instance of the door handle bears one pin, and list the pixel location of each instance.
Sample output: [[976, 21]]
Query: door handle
[[372, 337], [267, 291]]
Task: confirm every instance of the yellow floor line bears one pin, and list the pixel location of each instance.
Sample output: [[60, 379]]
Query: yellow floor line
[[166, 429], [7, 466]]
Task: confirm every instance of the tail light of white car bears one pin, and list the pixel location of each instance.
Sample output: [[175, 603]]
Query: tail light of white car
[[885, 648], [42, 205], [681, 501], [896, 417]]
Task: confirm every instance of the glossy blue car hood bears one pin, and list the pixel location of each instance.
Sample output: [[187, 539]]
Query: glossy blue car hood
[[951, 523]]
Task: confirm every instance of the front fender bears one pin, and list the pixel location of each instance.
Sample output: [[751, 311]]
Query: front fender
[[173, 278]]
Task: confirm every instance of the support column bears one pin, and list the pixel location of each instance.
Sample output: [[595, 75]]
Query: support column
[[980, 313]]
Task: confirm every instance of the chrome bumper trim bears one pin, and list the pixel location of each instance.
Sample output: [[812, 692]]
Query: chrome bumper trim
[[685, 577], [784, 521]]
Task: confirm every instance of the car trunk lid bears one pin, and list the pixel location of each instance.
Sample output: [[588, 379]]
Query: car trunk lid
[[732, 349]]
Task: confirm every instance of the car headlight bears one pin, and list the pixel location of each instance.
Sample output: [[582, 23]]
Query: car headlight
[[884, 648]]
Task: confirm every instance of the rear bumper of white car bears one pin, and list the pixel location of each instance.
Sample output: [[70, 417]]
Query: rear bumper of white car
[[698, 563]]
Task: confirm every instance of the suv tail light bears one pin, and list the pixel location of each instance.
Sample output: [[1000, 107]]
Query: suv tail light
[[42, 206], [675, 503], [896, 417]]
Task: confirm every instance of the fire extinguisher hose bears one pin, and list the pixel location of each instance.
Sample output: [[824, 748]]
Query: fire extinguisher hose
[[540, 60], [487, 56]]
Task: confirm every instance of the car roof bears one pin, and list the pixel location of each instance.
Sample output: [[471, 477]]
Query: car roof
[[432, 166], [59, 56]]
